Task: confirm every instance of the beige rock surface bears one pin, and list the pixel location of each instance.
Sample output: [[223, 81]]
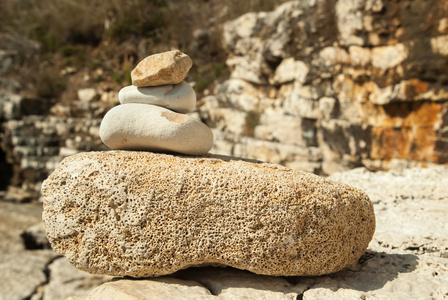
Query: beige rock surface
[[67, 281], [200, 283], [22, 271], [169, 288], [162, 68], [144, 214]]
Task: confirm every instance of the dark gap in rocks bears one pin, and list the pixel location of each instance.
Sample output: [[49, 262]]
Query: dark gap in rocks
[[367, 255], [401, 109], [309, 133], [209, 288], [293, 280], [413, 248], [35, 106], [6, 172], [46, 272], [272, 61], [29, 241], [441, 147], [300, 295], [34, 238]]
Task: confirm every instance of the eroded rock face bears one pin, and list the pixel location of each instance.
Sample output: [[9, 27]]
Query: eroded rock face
[[144, 214], [37, 136], [361, 86]]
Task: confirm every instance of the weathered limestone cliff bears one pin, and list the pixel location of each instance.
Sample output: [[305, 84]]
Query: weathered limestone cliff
[[325, 86], [36, 135]]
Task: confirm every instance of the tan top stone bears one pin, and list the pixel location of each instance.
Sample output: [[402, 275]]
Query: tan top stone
[[145, 214], [163, 68]]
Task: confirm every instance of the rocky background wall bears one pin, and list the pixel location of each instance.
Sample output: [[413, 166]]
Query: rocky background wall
[[317, 85], [36, 136], [325, 86]]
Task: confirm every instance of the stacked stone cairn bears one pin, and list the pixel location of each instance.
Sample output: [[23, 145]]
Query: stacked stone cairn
[[152, 111], [144, 214]]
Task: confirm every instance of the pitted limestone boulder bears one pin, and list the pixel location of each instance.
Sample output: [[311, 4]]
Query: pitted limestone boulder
[[143, 214]]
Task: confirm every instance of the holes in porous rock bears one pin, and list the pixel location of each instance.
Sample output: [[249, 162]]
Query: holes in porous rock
[[94, 173], [112, 204], [412, 248]]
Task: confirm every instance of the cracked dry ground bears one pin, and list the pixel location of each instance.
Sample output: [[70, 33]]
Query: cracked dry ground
[[407, 258]]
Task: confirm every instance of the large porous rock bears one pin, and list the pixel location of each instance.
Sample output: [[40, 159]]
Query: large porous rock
[[145, 214], [407, 258]]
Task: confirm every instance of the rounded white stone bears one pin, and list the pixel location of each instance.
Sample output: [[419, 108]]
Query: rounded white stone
[[136, 126], [178, 97]]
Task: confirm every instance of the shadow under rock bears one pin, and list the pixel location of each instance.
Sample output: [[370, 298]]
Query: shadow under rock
[[371, 272]]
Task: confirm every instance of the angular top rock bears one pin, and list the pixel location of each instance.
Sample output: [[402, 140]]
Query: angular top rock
[[163, 68]]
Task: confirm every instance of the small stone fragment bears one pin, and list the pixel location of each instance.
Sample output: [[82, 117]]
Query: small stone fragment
[[87, 95], [178, 97], [136, 126], [289, 70], [163, 68]]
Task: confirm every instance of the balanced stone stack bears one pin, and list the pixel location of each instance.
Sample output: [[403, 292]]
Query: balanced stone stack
[[152, 112], [139, 213]]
